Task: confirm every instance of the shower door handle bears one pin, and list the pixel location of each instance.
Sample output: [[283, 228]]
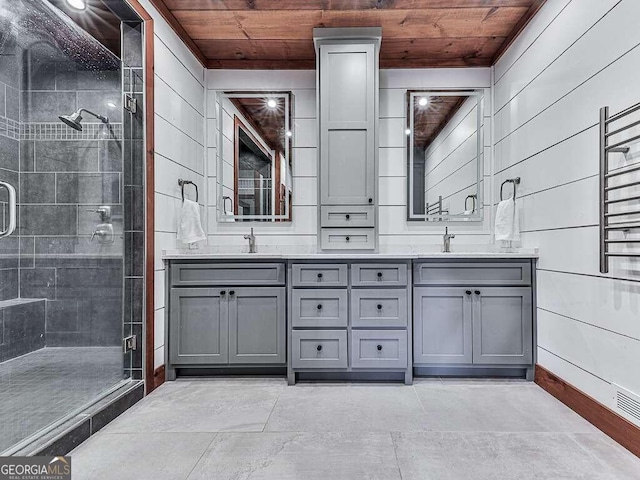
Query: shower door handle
[[12, 210]]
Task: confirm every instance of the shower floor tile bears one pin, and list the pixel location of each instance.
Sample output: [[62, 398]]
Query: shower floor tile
[[39, 388]]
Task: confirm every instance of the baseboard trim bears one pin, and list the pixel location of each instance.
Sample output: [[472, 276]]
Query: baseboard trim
[[618, 428], [158, 378]]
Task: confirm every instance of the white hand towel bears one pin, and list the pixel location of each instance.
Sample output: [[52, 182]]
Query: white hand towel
[[190, 228], [508, 221]]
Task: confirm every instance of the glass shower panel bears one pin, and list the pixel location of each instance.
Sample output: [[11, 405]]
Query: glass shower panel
[[62, 271]]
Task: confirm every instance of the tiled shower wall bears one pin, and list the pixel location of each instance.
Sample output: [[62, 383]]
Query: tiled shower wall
[[65, 176]]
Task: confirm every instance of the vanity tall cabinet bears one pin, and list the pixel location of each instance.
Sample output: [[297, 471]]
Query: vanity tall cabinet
[[347, 66]]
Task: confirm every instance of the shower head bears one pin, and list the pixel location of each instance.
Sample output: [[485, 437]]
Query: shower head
[[75, 118]]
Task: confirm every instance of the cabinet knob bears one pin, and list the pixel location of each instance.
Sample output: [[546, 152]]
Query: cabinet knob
[[370, 200], [379, 274], [319, 306], [320, 275], [347, 216], [379, 307], [379, 347], [222, 292], [468, 292], [231, 292], [319, 348], [477, 292], [347, 239]]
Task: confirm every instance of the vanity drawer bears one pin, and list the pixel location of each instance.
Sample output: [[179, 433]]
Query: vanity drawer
[[348, 239], [202, 274], [319, 308], [314, 275], [379, 349], [347, 216], [379, 308], [494, 273], [378, 275], [319, 349]]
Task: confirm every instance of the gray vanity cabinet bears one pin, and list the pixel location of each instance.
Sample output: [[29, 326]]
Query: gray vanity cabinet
[[473, 315], [199, 326], [502, 326], [226, 315], [442, 329], [256, 325]]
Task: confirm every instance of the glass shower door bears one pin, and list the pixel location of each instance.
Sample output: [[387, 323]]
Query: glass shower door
[[66, 277]]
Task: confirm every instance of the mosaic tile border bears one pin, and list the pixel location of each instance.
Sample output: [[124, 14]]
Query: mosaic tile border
[[9, 128], [59, 131]]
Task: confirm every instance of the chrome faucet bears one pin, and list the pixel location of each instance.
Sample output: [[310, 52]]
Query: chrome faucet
[[446, 239], [252, 241]]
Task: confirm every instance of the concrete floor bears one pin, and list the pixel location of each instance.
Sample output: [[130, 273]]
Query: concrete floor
[[261, 429]]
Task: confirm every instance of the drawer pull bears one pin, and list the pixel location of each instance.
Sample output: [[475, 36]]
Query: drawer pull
[[379, 274], [477, 292], [347, 239], [379, 347], [319, 348], [468, 292], [379, 307], [320, 275], [231, 292], [347, 216], [319, 306], [371, 200], [223, 292]]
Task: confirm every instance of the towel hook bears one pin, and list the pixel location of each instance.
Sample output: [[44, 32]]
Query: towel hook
[[473, 202], [182, 183], [514, 181]]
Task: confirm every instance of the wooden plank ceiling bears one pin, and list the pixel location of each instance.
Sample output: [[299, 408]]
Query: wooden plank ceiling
[[415, 33]]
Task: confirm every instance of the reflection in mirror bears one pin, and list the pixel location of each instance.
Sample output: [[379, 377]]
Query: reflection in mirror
[[444, 155], [254, 159]]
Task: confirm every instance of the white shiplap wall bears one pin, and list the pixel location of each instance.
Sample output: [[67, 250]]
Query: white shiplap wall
[[179, 146], [574, 57], [301, 233]]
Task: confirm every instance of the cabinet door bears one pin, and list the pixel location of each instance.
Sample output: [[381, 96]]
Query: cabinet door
[[198, 326], [257, 321], [442, 331], [347, 123], [502, 326]]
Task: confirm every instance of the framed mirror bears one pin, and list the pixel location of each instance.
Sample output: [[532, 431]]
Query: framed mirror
[[255, 178], [444, 155]]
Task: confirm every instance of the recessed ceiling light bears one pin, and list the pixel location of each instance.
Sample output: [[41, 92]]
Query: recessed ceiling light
[[407, 131], [77, 4], [111, 104], [289, 133], [423, 101]]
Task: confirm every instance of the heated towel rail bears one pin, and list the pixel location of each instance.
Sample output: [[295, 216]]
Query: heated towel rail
[[627, 197]]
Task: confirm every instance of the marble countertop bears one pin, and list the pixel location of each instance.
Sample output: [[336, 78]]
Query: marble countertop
[[208, 254]]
